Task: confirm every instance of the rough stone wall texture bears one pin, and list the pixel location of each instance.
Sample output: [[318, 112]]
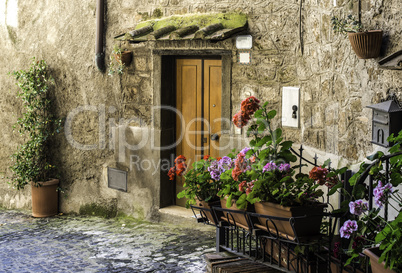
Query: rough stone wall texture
[[335, 85]]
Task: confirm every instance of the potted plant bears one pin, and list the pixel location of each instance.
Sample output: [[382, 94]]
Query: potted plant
[[263, 177], [365, 43], [266, 145], [368, 231], [119, 59], [201, 182], [37, 126]]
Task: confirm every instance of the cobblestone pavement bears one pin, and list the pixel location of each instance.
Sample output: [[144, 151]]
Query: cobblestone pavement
[[92, 244]]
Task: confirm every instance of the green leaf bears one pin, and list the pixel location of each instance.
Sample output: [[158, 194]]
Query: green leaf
[[229, 201], [271, 114], [326, 162], [375, 156], [286, 145], [241, 203], [335, 188], [263, 141], [181, 194], [277, 133], [258, 113], [359, 191]]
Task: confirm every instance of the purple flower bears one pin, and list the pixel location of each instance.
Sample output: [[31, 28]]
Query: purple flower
[[381, 193], [348, 228], [269, 167], [226, 162], [218, 167], [245, 150], [358, 207], [215, 170], [284, 167]]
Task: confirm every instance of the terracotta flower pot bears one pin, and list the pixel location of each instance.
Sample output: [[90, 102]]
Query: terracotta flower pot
[[208, 205], [366, 45], [304, 227], [374, 254], [240, 219], [279, 251], [45, 199], [125, 57]]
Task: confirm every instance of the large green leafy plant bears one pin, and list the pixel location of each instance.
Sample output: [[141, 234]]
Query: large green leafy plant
[[37, 125], [367, 228], [267, 146]]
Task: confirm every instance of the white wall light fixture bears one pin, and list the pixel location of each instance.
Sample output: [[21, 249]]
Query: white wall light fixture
[[244, 42]]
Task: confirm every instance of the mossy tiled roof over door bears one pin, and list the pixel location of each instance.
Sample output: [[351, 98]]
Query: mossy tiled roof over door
[[211, 26]]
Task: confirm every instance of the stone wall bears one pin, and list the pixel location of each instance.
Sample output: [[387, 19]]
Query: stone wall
[[113, 114]]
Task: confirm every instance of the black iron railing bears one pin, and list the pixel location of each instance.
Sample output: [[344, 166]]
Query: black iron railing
[[243, 233]]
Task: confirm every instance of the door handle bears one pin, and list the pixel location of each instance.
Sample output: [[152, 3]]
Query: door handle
[[215, 137]]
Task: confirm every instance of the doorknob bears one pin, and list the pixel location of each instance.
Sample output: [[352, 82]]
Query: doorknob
[[215, 137], [294, 108]]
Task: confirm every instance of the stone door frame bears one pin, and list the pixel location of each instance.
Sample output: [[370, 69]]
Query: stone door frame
[[165, 188]]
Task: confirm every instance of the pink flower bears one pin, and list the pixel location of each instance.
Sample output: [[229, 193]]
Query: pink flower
[[381, 193], [358, 207], [348, 228]]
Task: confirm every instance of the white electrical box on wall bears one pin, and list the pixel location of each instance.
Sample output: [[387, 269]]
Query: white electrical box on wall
[[290, 106]]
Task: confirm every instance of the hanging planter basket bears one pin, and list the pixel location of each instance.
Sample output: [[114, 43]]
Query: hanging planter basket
[[126, 57], [366, 45]]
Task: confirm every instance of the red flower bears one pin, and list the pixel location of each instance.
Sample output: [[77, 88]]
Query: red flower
[[331, 181], [249, 106], [241, 165], [336, 251], [242, 185], [218, 158], [236, 173], [319, 175], [179, 159], [171, 173], [206, 157], [247, 109], [239, 120], [180, 168]]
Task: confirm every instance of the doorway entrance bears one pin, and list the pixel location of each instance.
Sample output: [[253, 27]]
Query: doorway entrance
[[198, 100]]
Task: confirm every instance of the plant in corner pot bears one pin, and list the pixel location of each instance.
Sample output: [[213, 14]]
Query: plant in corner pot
[[37, 126], [367, 228]]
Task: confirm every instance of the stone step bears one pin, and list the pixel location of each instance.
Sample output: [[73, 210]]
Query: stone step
[[225, 262]]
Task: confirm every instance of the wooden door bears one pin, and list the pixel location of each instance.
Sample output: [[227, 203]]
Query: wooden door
[[198, 100]]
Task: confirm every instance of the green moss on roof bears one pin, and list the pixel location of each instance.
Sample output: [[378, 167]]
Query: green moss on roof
[[228, 20]]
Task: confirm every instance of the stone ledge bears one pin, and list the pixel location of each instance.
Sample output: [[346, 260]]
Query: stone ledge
[[181, 216]]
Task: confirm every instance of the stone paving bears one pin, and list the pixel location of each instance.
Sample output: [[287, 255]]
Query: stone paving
[[92, 244]]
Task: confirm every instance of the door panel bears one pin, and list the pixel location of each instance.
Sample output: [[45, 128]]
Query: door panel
[[212, 103], [198, 99]]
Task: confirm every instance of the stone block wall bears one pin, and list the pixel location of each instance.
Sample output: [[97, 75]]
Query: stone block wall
[[291, 47]]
